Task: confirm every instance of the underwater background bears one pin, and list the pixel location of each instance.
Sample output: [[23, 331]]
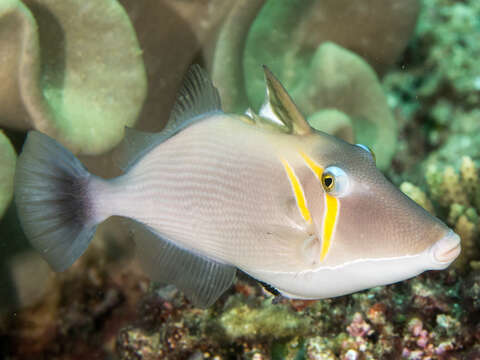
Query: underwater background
[[401, 76]]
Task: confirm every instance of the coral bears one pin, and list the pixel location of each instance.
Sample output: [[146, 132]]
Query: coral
[[435, 90], [32, 277], [184, 36], [226, 63], [365, 325], [79, 312], [136, 344], [463, 139], [244, 321], [449, 32], [420, 344], [381, 323], [453, 192], [318, 348], [7, 169], [286, 35], [359, 330], [417, 195], [333, 122], [441, 64], [457, 192], [63, 79], [280, 35]]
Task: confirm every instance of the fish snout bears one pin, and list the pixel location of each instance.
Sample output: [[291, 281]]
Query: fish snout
[[445, 250]]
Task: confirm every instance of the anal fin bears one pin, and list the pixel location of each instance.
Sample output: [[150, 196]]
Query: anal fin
[[269, 288], [201, 279]]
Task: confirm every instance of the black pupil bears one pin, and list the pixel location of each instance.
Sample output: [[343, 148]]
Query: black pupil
[[328, 181]]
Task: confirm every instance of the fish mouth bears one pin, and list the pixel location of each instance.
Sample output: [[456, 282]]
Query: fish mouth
[[445, 250]]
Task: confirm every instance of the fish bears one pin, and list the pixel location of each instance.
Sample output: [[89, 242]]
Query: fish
[[305, 213]]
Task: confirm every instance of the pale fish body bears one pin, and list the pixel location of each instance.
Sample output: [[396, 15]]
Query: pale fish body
[[299, 210]]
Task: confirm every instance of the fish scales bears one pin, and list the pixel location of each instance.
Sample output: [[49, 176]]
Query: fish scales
[[208, 198]]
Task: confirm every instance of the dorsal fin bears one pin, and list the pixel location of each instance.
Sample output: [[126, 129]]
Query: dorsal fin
[[279, 107], [201, 279], [196, 99]]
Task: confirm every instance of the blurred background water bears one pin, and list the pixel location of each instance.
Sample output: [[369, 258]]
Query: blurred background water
[[401, 76]]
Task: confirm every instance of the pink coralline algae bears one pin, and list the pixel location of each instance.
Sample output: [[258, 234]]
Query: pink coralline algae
[[419, 343], [359, 329]]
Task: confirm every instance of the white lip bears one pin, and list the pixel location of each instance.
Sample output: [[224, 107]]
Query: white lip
[[445, 250]]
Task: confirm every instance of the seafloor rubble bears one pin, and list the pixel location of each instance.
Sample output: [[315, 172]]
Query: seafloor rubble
[[105, 308]]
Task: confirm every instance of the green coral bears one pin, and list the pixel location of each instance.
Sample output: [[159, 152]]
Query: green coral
[[242, 320], [61, 78], [435, 91], [450, 34], [442, 60]]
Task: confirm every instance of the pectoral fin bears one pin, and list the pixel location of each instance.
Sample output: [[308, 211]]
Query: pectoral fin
[[201, 279]]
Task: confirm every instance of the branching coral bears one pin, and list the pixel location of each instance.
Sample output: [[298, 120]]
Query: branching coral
[[448, 31], [458, 193], [59, 77], [457, 196], [423, 345], [417, 195]]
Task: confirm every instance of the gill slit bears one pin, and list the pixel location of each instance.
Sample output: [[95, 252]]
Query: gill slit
[[332, 208]]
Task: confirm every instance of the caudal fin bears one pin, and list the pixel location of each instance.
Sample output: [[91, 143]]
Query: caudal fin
[[52, 199]]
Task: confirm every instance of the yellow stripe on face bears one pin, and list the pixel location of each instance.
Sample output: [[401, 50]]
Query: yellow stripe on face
[[332, 207], [317, 170], [298, 192], [331, 214]]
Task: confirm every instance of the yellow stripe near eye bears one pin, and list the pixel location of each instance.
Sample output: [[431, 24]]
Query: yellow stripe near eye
[[298, 191], [331, 213], [331, 208], [317, 170]]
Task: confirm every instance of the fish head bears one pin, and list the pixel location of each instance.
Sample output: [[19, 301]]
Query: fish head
[[366, 226]]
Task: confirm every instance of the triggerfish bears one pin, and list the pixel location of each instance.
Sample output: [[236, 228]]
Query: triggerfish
[[303, 212]]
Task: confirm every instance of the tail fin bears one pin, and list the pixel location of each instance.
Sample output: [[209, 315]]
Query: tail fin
[[51, 194]]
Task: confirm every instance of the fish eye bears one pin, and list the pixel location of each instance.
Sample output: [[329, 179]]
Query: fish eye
[[335, 181], [367, 149]]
